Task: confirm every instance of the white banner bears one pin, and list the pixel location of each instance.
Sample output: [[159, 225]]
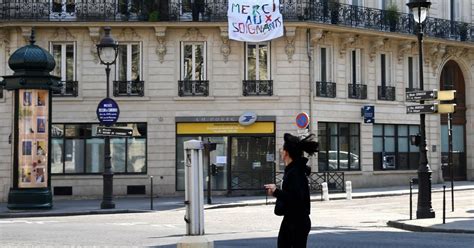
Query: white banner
[[254, 20]]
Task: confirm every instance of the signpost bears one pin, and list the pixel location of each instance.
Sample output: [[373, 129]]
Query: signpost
[[434, 95], [115, 131]]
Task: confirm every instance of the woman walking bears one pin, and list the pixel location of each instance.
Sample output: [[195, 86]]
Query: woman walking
[[293, 198]]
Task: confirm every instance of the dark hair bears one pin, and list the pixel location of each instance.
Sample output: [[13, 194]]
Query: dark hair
[[296, 146]]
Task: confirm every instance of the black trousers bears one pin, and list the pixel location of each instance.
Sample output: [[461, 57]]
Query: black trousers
[[294, 232]]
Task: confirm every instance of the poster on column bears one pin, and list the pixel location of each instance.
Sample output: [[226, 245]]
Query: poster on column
[[254, 20], [33, 138]]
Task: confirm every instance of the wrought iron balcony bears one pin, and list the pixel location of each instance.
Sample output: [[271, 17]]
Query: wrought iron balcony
[[216, 11], [357, 91], [193, 88], [411, 89], [386, 93], [326, 89], [129, 88], [257, 88], [68, 89]]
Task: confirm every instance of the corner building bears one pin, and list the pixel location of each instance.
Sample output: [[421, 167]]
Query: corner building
[[179, 77]]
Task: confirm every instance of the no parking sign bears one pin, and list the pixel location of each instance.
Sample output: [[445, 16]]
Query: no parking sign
[[302, 120]]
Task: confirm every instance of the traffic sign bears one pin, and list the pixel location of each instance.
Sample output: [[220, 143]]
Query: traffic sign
[[115, 131], [302, 120], [368, 112], [108, 112], [433, 95], [422, 109]]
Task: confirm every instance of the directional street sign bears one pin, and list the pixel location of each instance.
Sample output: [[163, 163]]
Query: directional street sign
[[115, 131], [422, 109], [421, 95]]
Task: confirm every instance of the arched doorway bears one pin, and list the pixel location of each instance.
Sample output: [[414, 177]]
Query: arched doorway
[[452, 79]]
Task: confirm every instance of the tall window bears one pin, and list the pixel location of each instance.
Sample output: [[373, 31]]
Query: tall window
[[193, 61], [128, 62], [339, 146], [385, 69], [356, 70], [325, 64], [76, 149], [413, 72], [64, 55], [454, 10], [384, 4], [392, 148], [257, 57]]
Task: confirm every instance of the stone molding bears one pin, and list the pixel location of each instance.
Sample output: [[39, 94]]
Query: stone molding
[[290, 33], [94, 34], [62, 34], [376, 46], [346, 42], [160, 33], [193, 34], [404, 48], [225, 47]]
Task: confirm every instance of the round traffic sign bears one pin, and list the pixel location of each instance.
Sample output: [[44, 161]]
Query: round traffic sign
[[302, 120], [108, 112]]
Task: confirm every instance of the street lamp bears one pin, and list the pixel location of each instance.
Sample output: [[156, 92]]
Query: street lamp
[[424, 210], [107, 50]]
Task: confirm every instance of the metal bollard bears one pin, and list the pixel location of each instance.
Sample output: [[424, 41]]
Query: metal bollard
[[444, 204], [325, 191], [411, 201], [151, 192], [349, 190]]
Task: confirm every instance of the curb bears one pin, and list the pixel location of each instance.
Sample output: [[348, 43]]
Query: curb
[[415, 228], [74, 213]]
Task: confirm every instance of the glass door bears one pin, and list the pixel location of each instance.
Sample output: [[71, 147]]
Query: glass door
[[218, 163], [63, 9]]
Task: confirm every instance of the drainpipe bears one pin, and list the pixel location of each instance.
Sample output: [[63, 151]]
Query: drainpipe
[[309, 50]]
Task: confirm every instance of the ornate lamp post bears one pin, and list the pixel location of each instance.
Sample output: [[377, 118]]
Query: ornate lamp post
[[107, 50], [32, 85], [424, 210]]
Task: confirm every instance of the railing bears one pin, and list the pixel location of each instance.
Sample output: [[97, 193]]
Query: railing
[[386, 93], [129, 88], [257, 88], [68, 89], [411, 89], [251, 179], [326, 89], [193, 88], [216, 11], [335, 181], [357, 91]]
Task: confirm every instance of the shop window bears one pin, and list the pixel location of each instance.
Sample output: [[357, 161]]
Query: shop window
[[392, 148], [76, 149], [339, 146]]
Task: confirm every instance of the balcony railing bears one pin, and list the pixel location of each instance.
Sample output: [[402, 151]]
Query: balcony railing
[[386, 93], [68, 89], [257, 88], [411, 89], [216, 11], [357, 91], [326, 89], [129, 88], [193, 88]]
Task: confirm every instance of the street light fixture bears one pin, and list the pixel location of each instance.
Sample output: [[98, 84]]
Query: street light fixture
[[424, 210], [107, 50]]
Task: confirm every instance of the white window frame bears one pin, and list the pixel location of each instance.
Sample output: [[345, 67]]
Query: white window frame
[[329, 65], [257, 71], [388, 69], [416, 72], [204, 58], [63, 58], [129, 61], [358, 66]]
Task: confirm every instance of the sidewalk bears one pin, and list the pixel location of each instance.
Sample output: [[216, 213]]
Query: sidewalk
[[460, 221]]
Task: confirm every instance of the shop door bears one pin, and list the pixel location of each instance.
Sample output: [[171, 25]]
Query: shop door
[[63, 9], [452, 78], [218, 163]]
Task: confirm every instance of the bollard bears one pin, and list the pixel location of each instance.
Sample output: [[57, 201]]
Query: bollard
[[444, 204], [325, 191], [349, 190], [411, 202], [151, 192]]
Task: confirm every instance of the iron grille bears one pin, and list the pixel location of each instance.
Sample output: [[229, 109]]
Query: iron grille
[[68, 89], [326, 89], [129, 88], [357, 91], [193, 88], [257, 87], [335, 181], [386, 93]]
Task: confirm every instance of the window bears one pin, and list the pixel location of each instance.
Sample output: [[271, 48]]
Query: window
[[257, 57], [454, 10], [392, 148], [76, 149], [65, 56], [385, 70], [356, 70], [384, 4], [128, 62], [193, 61], [413, 73], [339, 146], [325, 64]]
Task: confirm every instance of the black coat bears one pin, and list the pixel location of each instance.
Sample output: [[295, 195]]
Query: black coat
[[293, 199]]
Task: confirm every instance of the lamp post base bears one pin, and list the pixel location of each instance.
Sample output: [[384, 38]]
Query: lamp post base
[[424, 209]]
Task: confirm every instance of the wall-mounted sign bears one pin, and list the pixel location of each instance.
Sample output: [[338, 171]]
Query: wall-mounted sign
[[302, 120], [247, 118], [225, 128], [368, 112], [108, 112]]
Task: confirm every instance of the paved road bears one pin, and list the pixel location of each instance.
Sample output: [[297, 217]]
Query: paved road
[[356, 223]]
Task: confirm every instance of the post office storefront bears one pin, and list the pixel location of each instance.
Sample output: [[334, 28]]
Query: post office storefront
[[244, 158]]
